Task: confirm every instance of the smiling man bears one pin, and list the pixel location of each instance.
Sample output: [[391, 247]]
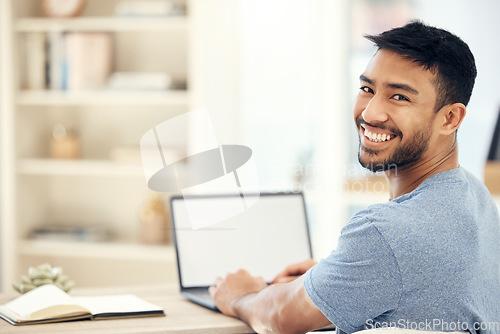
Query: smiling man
[[429, 259]]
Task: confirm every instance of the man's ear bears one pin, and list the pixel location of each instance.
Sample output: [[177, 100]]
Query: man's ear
[[452, 116]]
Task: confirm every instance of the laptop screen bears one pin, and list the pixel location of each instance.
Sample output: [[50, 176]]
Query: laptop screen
[[263, 239]]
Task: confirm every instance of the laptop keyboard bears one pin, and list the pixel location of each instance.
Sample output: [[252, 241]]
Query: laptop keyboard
[[199, 292]]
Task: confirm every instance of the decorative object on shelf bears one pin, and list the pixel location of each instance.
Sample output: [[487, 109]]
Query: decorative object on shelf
[[64, 144], [155, 222], [41, 275], [62, 8]]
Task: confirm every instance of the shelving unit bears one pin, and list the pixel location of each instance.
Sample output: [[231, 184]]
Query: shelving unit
[[101, 188], [95, 188]]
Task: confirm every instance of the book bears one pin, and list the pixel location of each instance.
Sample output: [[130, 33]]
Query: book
[[48, 303], [35, 62], [88, 60], [56, 61]]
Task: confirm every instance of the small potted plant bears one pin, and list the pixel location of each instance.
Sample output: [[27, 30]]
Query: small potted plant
[[43, 274]]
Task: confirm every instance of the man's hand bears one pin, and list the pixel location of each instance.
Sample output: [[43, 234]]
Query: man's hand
[[226, 292], [293, 271]]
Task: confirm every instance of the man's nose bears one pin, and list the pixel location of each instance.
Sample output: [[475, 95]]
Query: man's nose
[[375, 111]]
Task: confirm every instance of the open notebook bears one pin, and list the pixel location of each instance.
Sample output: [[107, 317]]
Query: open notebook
[[48, 303]]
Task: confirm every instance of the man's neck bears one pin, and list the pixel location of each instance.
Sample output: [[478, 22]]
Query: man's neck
[[406, 179]]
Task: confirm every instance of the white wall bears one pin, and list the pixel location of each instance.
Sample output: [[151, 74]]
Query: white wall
[[277, 87], [291, 101], [477, 23], [213, 57]]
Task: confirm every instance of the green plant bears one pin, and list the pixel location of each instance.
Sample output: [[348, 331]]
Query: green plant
[[43, 274]]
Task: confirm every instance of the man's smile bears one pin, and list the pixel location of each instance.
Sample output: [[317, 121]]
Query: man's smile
[[376, 134], [375, 138]]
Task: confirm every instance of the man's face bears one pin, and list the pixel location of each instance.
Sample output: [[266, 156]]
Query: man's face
[[394, 112]]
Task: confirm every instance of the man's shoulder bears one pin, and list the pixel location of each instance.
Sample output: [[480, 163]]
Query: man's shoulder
[[452, 206], [459, 179], [454, 187], [454, 192], [438, 201]]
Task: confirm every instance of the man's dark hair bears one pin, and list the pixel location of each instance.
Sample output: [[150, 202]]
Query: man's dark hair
[[436, 50]]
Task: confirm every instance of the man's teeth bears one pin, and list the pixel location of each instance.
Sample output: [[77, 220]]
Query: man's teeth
[[377, 137]]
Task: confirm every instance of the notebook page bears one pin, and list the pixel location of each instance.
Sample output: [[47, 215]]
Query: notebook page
[[115, 304], [37, 299]]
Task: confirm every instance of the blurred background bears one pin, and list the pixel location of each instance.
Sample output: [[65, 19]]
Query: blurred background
[[82, 81]]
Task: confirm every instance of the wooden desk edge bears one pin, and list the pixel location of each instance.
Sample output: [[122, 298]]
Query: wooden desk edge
[[182, 316]]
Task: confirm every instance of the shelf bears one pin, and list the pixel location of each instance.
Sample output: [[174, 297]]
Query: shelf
[[179, 23], [111, 162], [130, 98], [97, 250], [79, 167]]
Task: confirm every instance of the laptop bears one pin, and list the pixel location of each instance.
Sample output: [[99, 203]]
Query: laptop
[[263, 238]]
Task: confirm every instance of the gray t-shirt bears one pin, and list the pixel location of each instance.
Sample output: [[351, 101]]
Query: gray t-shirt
[[427, 260]]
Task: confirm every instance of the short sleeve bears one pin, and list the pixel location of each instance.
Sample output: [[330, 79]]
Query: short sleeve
[[358, 281]]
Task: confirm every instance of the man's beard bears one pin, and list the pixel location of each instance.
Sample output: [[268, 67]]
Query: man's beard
[[403, 156]]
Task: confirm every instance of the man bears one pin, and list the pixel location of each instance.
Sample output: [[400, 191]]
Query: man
[[429, 259]]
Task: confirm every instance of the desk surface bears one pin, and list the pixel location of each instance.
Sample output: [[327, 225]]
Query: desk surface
[[182, 316]]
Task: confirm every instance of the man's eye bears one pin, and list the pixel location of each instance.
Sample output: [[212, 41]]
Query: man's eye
[[366, 89], [400, 97]]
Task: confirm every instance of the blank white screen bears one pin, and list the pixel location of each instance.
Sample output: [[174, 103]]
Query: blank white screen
[[264, 239]]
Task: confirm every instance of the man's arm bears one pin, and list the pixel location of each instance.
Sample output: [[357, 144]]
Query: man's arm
[[278, 308], [294, 271]]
